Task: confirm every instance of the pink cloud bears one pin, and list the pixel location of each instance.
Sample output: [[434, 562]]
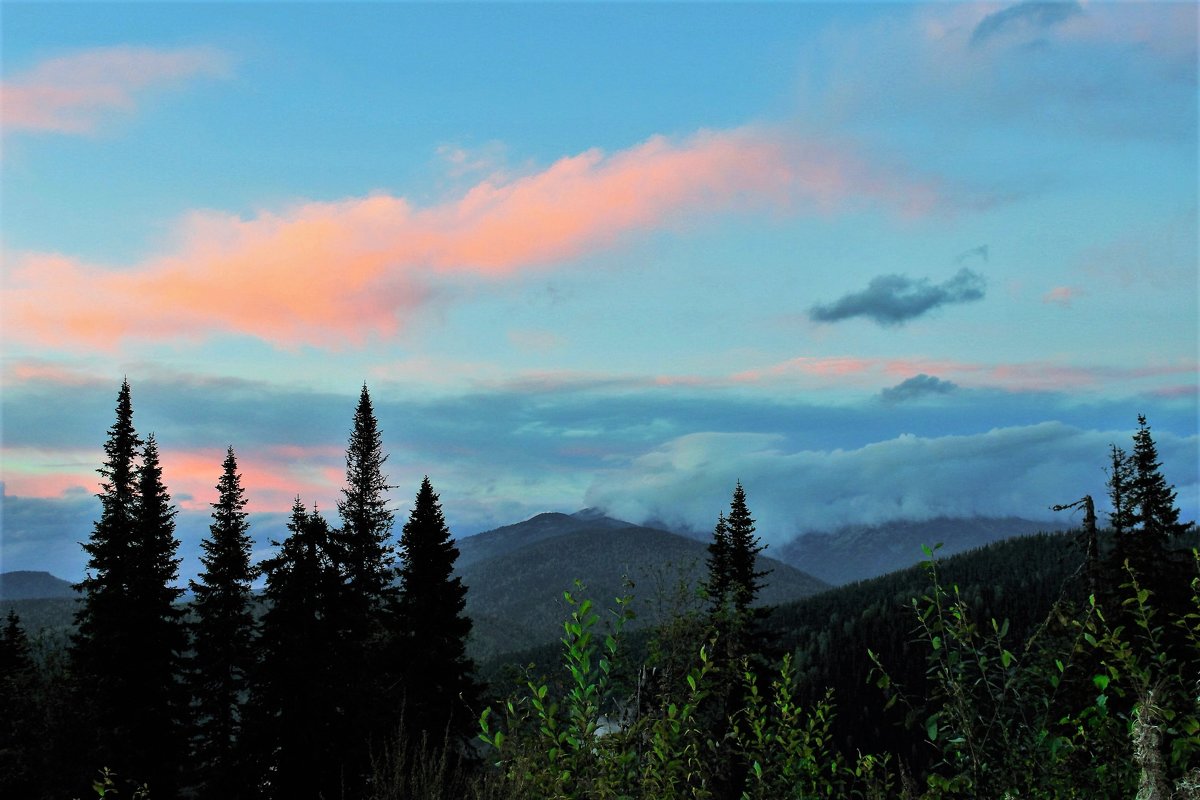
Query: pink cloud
[[332, 274], [272, 476], [1063, 295], [73, 93]]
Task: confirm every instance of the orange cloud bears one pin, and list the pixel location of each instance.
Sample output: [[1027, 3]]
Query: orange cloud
[[332, 274], [1062, 295], [272, 476], [71, 94]]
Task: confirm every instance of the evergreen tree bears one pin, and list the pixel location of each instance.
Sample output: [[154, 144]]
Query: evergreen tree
[[20, 728], [158, 721], [223, 639], [364, 541], [1119, 478], [744, 579], [717, 584], [296, 721], [441, 689], [1151, 498], [365, 612], [126, 650]]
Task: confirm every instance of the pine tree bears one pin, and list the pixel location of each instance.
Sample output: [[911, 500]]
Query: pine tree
[[126, 650], [223, 639], [296, 720], [441, 689], [717, 584], [744, 547]]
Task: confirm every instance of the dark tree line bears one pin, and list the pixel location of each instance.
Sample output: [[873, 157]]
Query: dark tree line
[[225, 700]]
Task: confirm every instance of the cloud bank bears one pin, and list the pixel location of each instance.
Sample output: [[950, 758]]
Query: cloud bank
[[336, 274], [75, 93], [1005, 471], [892, 300]]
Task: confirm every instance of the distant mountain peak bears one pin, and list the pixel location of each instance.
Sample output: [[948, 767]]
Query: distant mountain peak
[[32, 585]]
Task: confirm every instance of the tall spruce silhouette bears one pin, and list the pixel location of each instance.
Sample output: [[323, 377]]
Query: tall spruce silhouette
[[365, 612], [129, 641], [745, 580], [296, 725], [223, 641], [441, 688], [717, 584]]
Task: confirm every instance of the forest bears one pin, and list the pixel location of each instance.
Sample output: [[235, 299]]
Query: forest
[[1047, 666]]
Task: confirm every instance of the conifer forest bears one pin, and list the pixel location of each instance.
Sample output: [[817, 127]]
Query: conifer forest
[[1062, 665]]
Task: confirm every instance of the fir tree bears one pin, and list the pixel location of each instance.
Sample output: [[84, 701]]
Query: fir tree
[[126, 649], [20, 723], [1119, 478], [158, 721], [365, 612], [1151, 498], [223, 639], [296, 720], [441, 689], [744, 579], [717, 584]]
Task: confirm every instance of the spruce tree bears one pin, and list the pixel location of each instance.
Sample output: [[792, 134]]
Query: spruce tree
[[296, 715], [21, 727], [744, 579], [365, 612], [441, 689], [1152, 499], [1119, 478], [158, 722], [126, 649], [223, 640], [717, 584]]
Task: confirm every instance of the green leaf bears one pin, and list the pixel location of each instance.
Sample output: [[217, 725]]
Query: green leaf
[[1101, 682], [931, 728]]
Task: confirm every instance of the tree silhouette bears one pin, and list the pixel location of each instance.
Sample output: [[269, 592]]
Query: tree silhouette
[[223, 640], [441, 690], [126, 651], [717, 584], [296, 716], [744, 578]]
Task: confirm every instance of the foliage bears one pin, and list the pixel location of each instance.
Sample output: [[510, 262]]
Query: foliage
[[223, 639]]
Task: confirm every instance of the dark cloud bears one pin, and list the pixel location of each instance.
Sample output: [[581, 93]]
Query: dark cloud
[[917, 386], [980, 252], [895, 299], [1035, 15]]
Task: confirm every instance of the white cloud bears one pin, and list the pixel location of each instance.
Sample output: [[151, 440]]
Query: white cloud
[[1005, 471]]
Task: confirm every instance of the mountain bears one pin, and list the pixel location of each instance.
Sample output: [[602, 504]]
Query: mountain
[[517, 574], [857, 552], [26, 585], [504, 540]]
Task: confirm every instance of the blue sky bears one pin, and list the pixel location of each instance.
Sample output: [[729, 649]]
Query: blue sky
[[875, 260]]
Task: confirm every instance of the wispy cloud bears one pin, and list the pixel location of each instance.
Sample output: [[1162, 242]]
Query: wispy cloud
[[75, 93], [1032, 16], [332, 274], [895, 299]]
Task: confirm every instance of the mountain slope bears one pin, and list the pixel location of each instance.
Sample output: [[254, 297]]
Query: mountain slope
[[27, 585], [858, 552], [516, 598], [506, 539]]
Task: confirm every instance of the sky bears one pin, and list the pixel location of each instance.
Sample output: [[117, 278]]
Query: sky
[[875, 261]]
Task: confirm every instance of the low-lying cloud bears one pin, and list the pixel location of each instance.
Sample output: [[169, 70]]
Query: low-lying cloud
[[891, 300], [1005, 471]]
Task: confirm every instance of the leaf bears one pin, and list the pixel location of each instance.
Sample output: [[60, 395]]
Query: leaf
[[1101, 682], [931, 728]]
